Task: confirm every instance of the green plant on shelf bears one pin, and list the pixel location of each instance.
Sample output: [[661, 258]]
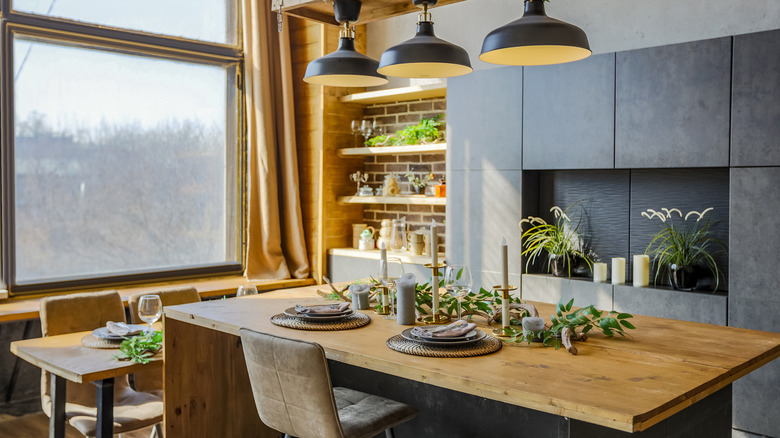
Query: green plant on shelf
[[560, 240], [427, 131]]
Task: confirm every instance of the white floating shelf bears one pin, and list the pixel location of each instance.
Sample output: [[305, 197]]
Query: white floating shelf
[[394, 150], [399, 200], [397, 94], [406, 257]]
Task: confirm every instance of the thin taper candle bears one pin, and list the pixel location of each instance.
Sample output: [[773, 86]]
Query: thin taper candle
[[435, 263], [383, 261], [504, 283]]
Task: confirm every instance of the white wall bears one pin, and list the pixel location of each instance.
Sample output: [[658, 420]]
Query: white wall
[[611, 25]]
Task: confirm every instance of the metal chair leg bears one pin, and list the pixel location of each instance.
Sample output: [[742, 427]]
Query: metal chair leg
[[389, 433]]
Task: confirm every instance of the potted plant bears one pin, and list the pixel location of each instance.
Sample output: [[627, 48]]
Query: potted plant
[[684, 247], [418, 184], [560, 240], [425, 132]]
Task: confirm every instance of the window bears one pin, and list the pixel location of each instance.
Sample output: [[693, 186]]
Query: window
[[123, 153]]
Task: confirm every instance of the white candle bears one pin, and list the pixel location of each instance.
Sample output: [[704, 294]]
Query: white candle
[[641, 270], [504, 283], [434, 263], [618, 270], [599, 272], [383, 261]]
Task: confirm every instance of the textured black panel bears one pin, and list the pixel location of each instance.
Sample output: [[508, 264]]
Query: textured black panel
[[672, 105], [568, 115], [755, 118], [685, 189], [484, 120], [603, 197]]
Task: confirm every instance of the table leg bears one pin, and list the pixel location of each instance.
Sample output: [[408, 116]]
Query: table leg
[[105, 407], [57, 418]]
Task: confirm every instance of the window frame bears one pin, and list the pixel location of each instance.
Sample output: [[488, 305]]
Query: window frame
[[13, 23]]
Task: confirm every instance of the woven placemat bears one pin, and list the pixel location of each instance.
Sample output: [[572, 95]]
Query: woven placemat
[[93, 342], [356, 320], [484, 346]]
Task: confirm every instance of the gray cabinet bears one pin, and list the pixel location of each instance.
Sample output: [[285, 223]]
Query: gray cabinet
[[755, 127], [484, 120], [672, 105], [569, 114]]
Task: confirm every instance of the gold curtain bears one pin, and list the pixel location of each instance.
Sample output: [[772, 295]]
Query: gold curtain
[[275, 238]]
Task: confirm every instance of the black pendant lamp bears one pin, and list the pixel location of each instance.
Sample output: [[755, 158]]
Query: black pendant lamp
[[425, 55], [535, 39], [345, 67]]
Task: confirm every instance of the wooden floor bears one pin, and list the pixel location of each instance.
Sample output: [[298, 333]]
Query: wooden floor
[[37, 426]]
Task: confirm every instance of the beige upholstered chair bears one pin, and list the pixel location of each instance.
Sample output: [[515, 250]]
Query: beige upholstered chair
[[293, 392], [87, 311], [152, 381]]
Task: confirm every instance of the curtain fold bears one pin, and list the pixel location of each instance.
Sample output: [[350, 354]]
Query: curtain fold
[[275, 239]]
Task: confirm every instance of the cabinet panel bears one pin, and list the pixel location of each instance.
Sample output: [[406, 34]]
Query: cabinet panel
[[756, 100], [672, 105], [484, 120], [569, 115]]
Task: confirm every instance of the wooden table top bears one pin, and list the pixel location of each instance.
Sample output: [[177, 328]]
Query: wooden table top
[[64, 356], [628, 384]]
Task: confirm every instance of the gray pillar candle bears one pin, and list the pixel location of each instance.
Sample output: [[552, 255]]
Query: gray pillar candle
[[532, 324], [359, 295], [406, 288]]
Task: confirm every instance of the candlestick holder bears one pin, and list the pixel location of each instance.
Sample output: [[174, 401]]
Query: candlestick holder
[[435, 317], [499, 332], [383, 298]]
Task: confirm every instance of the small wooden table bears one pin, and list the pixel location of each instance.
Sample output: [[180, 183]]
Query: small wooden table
[[65, 358]]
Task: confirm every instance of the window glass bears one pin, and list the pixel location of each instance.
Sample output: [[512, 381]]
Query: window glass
[[205, 20], [121, 162]]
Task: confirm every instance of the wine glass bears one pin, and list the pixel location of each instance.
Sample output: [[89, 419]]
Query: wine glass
[[367, 128], [246, 289], [389, 271], [356, 129], [150, 309], [457, 281]]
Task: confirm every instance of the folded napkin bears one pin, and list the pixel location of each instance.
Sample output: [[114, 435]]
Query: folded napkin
[[330, 309], [457, 328], [121, 329]]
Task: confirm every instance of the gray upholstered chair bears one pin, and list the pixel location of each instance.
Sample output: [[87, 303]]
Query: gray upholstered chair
[[87, 311], [152, 381], [293, 392]]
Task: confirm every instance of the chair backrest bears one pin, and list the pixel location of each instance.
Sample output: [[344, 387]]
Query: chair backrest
[[291, 385], [152, 380], [76, 313], [169, 297]]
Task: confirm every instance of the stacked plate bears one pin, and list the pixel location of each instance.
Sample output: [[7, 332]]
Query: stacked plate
[[103, 333], [470, 337], [318, 317]]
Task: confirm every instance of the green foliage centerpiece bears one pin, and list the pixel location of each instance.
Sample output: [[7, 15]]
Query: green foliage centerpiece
[[684, 247]]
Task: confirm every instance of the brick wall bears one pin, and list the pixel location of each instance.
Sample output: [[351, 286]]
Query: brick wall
[[394, 117]]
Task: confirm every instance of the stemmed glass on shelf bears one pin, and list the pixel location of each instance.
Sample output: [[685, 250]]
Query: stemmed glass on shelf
[[356, 130], [367, 128], [387, 275], [457, 281], [150, 309]]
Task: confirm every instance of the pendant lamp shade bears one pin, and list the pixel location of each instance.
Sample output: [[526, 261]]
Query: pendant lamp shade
[[344, 68], [425, 56], [535, 39]]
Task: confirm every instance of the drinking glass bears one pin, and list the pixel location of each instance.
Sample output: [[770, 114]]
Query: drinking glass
[[150, 309], [367, 128], [356, 131], [457, 281], [388, 274], [246, 289]]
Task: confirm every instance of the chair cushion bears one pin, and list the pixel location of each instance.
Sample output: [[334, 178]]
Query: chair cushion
[[364, 415]]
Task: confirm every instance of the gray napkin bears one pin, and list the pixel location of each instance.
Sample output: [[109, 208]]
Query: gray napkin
[[329, 309], [121, 329], [457, 328]]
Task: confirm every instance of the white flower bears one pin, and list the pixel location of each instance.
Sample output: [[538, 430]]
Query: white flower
[[654, 213], [532, 220], [701, 215], [558, 213]]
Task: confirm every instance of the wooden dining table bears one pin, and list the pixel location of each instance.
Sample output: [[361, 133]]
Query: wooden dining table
[[614, 386], [67, 359]]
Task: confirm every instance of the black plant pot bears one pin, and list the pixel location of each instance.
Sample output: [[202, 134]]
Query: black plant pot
[[683, 277], [579, 267], [558, 266]]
